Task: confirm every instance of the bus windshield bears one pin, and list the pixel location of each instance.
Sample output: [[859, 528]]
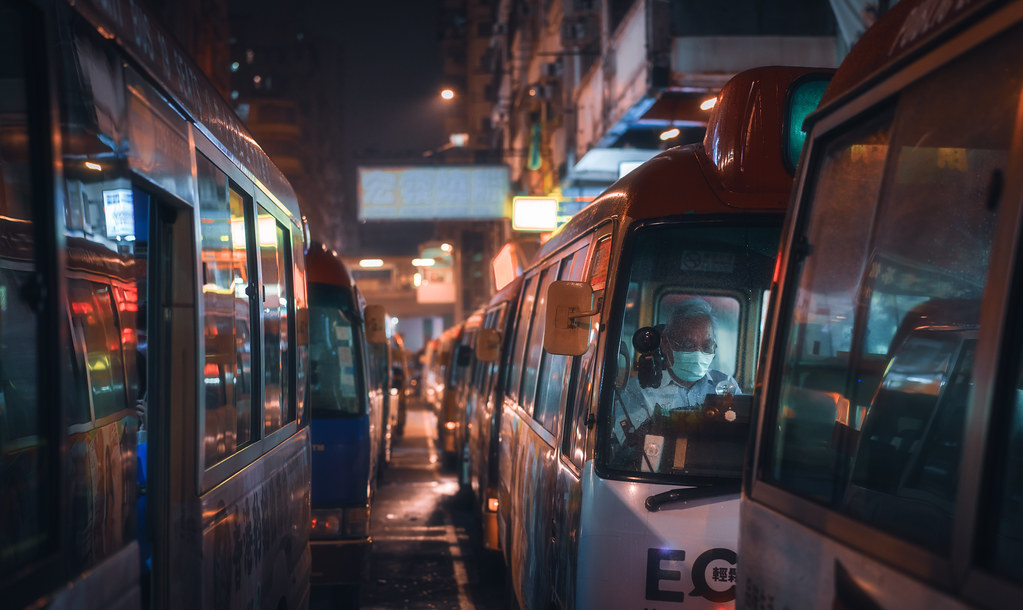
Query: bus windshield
[[336, 375], [691, 320]]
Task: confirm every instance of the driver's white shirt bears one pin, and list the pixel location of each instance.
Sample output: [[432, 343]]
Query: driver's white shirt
[[670, 395]]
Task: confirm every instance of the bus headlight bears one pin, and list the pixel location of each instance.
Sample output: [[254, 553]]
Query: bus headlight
[[325, 524]]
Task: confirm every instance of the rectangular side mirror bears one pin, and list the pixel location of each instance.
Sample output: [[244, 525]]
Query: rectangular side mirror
[[488, 345], [376, 324], [567, 304]]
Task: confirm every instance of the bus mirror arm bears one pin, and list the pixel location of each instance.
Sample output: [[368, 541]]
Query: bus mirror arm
[[685, 494]]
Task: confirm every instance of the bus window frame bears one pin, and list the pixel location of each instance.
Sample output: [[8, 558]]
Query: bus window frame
[[208, 477], [955, 570], [614, 310]]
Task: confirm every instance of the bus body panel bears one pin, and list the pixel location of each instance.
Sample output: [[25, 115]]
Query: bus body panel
[[485, 419], [532, 495], [794, 567], [341, 460], [248, 519], [656, 551]]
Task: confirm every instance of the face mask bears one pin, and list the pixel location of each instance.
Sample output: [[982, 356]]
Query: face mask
[[691, 366]]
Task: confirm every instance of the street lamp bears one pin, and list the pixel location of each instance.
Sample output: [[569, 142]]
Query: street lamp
[[447, 94]]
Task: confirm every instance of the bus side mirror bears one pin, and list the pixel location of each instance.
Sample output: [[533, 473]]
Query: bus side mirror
[[488, 345], [567, 328], [376, 322]]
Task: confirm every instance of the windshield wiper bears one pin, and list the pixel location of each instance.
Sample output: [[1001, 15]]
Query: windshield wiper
[[685, 494]]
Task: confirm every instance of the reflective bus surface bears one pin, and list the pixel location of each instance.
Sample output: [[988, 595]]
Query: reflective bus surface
[[483, 400], [346, 433], [887, 465], [447, 373], [153, 346], [626, 402]]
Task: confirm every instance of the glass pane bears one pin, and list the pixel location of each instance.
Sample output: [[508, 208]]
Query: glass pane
[[92, 318], [686, 349], [271, 263], [534, 345], [335, 375], [555, 370], [521, 333], [881, 439], [576, 429], [813, 389], [227, 329]]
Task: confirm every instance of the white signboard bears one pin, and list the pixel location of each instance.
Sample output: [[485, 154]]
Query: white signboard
[[120, 213], [424, 193]]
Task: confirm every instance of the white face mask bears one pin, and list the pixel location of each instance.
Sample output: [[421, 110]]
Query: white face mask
[[691, 366]]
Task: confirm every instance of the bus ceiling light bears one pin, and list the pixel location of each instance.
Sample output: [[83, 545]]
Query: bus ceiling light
[[708, 104], [370, 263], [669, 134]]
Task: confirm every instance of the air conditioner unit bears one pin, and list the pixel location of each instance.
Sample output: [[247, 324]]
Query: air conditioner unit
[[551, 69]]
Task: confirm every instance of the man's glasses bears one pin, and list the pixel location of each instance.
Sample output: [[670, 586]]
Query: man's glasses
[[709, 347]]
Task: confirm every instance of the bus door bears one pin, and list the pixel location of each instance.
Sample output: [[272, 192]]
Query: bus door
[[167, 447]]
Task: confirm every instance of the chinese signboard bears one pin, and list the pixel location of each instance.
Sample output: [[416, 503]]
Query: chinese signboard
[[426, 193]]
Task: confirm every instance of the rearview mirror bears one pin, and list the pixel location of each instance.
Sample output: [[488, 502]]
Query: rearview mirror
[[567, 304], [376, 323], [488, 345]]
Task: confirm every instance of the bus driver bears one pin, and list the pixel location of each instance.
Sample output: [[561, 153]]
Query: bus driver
[[688, 347]]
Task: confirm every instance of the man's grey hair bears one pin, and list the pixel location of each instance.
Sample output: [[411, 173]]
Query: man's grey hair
[[693, 308]]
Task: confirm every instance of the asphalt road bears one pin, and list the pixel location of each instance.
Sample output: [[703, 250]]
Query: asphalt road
[[426, 550]]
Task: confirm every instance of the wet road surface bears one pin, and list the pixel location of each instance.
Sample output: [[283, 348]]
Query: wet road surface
[[426, 550]]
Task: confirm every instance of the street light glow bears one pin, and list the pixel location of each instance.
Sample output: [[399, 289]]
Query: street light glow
[[669, 134], [446, 247], [369, 263], [708, 104], [447, 94], [423, 262]]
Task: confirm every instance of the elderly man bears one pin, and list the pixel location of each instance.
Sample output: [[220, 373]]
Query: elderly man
[[688, 345]]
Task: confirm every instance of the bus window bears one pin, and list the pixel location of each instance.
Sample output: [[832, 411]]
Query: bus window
[[554, 369], [525, 314], [574, 441], [273, 252], [695, 291], [227, 329], [878, 364], [534, 345], [335, 381], [92, 315]]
